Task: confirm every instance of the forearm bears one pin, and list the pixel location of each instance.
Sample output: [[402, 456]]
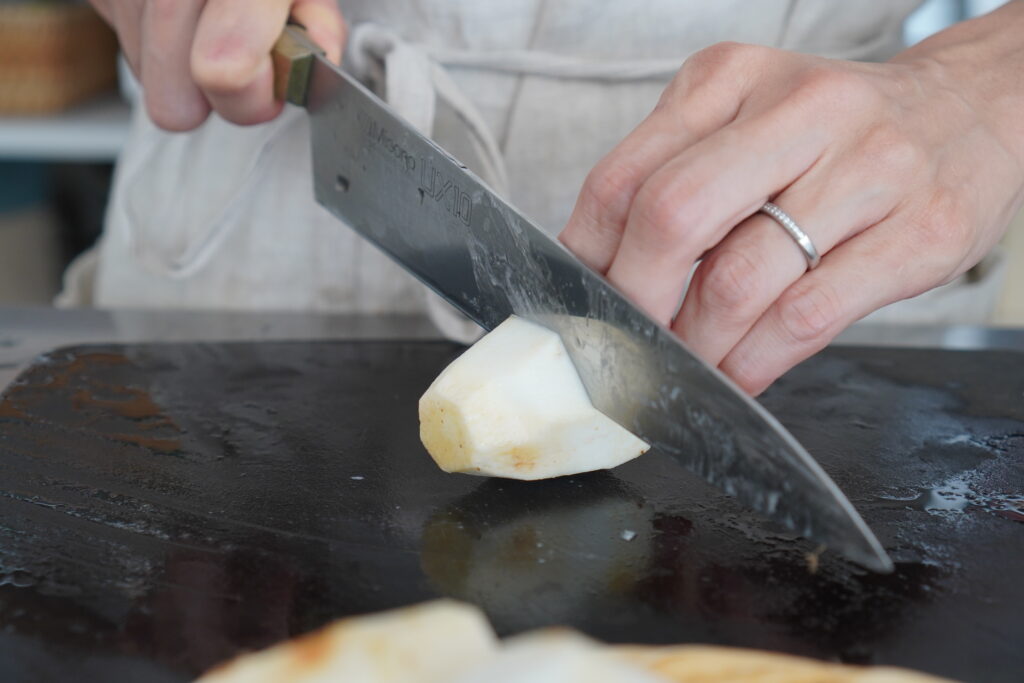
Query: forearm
[[982, 60]]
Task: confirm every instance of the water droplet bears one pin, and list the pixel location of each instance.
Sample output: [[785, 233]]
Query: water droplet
[[18, 578]]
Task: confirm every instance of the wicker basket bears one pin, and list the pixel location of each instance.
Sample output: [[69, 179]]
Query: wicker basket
[[53, 55]]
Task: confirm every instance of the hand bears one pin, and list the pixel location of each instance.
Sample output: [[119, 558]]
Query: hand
[[194, 56], [903, 174]]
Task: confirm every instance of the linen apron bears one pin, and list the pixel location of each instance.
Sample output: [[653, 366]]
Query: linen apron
[[530, 94]]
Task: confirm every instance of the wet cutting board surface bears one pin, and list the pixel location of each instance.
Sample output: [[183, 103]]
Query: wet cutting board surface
[[164, 507]]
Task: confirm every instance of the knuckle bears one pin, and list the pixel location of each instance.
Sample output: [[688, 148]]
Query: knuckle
[[724, 56], [944, 221], [168, 122], [893, 151], [714, 67], [730, 283], [177, 118], [226, 70], [943, 233], [810, 312], [609, 188], [666, 215]]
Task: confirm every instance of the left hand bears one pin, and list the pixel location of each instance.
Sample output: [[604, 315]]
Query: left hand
[[902, 175]]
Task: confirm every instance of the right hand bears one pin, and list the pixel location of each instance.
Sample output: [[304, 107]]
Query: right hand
[[197, 56]]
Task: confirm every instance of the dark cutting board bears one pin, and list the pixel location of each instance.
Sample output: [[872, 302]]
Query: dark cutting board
[[163, 507]]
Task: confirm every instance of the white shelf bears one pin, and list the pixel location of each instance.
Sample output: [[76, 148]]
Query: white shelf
[[94, 131]]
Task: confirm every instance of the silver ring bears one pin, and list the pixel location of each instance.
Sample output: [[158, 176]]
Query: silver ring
[[798, 235]]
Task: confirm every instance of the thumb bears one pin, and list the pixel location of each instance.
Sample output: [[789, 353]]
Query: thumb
[[324, 23]]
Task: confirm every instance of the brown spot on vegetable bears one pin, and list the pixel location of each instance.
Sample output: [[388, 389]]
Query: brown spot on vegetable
[[312, 650]]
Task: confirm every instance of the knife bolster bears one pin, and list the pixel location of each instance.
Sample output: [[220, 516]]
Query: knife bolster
[[293, 56]]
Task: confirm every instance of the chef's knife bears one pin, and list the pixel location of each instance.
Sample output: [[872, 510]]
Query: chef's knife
[[429, 213]]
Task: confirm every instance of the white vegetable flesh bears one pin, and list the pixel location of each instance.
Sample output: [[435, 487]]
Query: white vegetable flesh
[[513, 406]]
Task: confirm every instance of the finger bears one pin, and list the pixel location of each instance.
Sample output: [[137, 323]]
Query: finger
[[687, 206], [173, 100], [104, 9], [324, 23], [231, 61], [878, 267], [704, 97], [126, 19], [751, 267], [595, 227]]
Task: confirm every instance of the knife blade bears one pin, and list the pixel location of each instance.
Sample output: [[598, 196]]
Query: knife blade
[[439, 221]]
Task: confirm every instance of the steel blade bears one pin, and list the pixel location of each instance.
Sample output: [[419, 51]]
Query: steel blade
[[440, 222]]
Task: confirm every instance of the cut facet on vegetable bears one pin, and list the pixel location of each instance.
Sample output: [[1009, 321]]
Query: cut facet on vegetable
[[513, 406]]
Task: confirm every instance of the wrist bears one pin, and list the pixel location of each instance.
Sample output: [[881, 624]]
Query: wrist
[[981, 63]]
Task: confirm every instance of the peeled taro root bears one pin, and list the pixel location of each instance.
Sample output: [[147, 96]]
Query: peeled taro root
[[513, 406]]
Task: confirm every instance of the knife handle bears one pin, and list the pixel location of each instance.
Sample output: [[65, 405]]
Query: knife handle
[[293, 56]]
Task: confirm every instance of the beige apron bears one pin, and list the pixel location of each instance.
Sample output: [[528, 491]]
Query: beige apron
[[529, 93]]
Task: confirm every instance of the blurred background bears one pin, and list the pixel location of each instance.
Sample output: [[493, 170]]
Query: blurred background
[[64, 112]]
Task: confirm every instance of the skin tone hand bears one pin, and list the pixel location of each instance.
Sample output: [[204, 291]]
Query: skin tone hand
[[197, 56], [903, 174]]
